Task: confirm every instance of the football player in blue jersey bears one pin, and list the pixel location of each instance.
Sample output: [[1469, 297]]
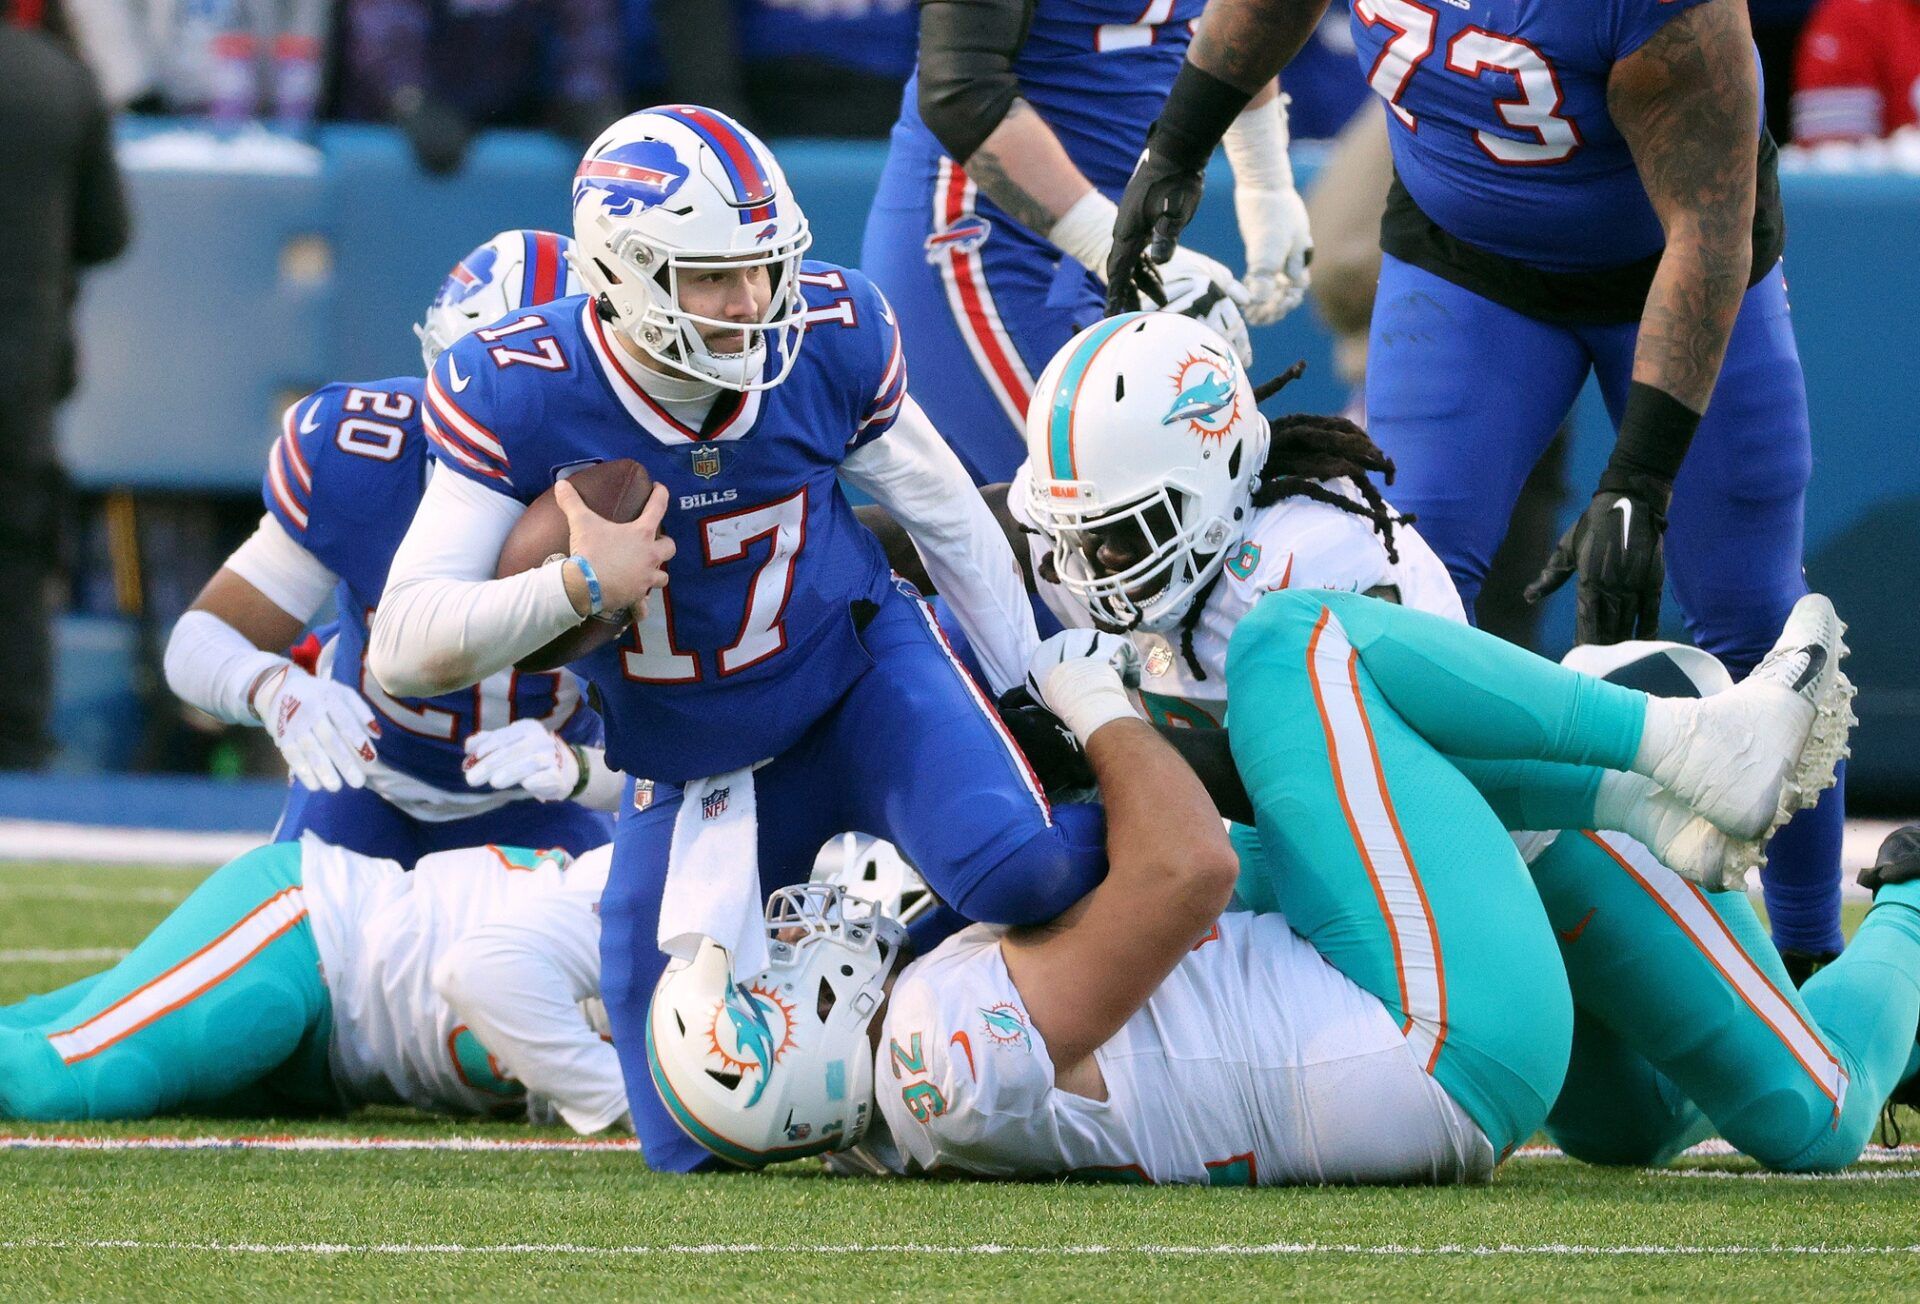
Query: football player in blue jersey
[[991, 227], [388, 776], [1580, 188], [777, 685]]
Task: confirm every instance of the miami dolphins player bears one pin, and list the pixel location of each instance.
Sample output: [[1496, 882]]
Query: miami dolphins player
[[1579, 189], [1188, 505], [776, 685], [991, 226], [302, 977], [1145, 1037], [386, 775]]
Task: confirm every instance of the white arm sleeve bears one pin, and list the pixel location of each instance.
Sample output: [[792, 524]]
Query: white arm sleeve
[[914, 475], [287, 575], [517, 981], [444, 622], [211, 665]]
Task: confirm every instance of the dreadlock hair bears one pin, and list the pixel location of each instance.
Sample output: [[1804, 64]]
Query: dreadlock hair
[[1307, 449]]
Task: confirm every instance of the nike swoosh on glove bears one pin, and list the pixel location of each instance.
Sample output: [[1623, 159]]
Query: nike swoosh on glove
[[1615, 547]]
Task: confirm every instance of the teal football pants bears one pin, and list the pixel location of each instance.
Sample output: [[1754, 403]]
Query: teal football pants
[[1688, 1024], [221, 1009], [1344, 712]]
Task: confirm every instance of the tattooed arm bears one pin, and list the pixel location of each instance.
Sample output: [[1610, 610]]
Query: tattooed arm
[[970, 99], [1688, 103], [1247, 42]]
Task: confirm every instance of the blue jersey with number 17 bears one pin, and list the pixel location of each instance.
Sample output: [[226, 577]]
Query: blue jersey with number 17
[[1499, 123], [344, 479], [755, 635]]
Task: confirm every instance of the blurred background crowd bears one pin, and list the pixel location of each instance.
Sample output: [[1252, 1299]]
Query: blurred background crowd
[[443, 70]]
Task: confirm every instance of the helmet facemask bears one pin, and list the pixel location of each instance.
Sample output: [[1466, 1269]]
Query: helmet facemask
[[641, 293], [1167, 553], [778, 1066]]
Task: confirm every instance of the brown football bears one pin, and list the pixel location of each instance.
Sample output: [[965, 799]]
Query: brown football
[[616, 490]]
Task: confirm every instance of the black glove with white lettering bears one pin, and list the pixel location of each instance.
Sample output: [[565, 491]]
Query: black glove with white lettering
[[1616, 548]]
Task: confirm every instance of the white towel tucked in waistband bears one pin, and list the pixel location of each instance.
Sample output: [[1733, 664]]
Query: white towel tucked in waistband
[[713, 874]]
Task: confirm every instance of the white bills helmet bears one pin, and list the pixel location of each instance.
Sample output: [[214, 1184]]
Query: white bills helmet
[[670, 190], [777, 1067], [515, 269], [1143, 434]]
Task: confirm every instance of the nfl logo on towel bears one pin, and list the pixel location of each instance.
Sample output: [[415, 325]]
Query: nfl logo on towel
[[714, 804], [706, 461]]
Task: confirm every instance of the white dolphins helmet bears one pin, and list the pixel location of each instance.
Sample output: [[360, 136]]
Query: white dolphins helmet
[[514, 270], [670, 190], [777, 1067], [1144, 426], [873, 868]]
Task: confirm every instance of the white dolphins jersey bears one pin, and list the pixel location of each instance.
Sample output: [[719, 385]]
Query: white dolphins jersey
[[482, 941], [1255, 1063], [1297, 543]]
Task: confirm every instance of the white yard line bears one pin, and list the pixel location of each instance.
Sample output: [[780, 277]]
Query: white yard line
[[1274, 1249], [45, 840], [87, 954], [1705, 1150]]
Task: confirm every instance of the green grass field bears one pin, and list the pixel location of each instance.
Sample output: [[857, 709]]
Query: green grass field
[[350, 1224]]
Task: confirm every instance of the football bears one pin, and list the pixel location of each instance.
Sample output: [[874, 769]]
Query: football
[[616, 490]]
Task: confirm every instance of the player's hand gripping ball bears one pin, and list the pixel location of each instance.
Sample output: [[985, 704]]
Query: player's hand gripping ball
[[609, 513]]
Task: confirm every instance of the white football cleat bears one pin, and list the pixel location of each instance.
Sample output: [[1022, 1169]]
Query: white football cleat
[[1752, 757], [1686, 842]]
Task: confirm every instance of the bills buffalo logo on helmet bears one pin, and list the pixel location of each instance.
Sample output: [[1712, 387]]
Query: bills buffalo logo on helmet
[[468, 277], [961, 236], [632, 177]]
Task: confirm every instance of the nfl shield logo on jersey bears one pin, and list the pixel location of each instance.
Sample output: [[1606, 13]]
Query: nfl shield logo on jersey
[[706, 461]]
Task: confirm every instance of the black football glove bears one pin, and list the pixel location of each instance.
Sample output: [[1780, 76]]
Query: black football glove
[[1159, 201], [1898, 861], [1616, 548], [1050, 746]]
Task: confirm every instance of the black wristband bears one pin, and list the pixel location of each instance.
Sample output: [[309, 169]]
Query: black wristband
[[1199, 109], [1655, 430]]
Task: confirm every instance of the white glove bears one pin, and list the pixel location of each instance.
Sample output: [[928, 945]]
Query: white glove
[[324, 729], [525, 754], [1202, 288], [1279, 243], [1082, 676]]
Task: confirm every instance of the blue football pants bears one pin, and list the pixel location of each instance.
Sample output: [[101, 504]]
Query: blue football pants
[[1465, 395], [913, 753]]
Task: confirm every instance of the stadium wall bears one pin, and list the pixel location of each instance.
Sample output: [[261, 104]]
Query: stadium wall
[[262, 267]]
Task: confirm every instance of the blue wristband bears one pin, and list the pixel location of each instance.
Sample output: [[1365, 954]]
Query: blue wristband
[[594, 599]]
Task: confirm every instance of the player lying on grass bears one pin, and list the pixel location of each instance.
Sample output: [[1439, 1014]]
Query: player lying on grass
[[304, 978], [1416, 1028], [518, 758]]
